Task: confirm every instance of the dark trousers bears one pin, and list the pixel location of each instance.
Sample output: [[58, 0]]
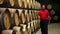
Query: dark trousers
[[44, 26], [0, 32]]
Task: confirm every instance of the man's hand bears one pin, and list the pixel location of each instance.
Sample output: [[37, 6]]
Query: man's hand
[[49, 21], [39, 22]]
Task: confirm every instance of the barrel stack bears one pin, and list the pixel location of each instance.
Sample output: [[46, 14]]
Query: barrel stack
[[18, 16]]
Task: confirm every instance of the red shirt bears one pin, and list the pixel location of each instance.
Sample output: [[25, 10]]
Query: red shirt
[[43, 14]]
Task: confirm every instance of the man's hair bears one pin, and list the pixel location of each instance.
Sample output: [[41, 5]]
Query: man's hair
[[43, 5]]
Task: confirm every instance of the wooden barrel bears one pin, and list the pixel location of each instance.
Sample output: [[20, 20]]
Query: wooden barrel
[[29, 3], [25, 3], [52, 12], [29, 28], [17, 30], [30, 13], [12, 2], [49, 6], [15, 17], [32, 4], [56, 18], [24, 30], [1, 1], [22, 17], [20, 3], [12, 17], [38, 5], [7, 31], [35, 4], [16, 4], [5, 19]]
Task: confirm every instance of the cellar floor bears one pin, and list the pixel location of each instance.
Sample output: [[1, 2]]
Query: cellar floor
[[52, 29]]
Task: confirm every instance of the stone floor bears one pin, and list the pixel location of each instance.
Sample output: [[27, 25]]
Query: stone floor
[[52, 29]]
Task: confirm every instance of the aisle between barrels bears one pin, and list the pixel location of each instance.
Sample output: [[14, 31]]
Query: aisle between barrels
[[52, 29]]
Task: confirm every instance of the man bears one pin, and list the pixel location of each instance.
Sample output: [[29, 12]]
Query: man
[[43, 16]]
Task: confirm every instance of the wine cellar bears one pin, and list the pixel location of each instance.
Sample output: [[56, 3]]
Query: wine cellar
[[21, 16]]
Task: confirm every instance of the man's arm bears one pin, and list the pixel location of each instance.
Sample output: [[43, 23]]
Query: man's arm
[[39, 18], [49, 16]]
